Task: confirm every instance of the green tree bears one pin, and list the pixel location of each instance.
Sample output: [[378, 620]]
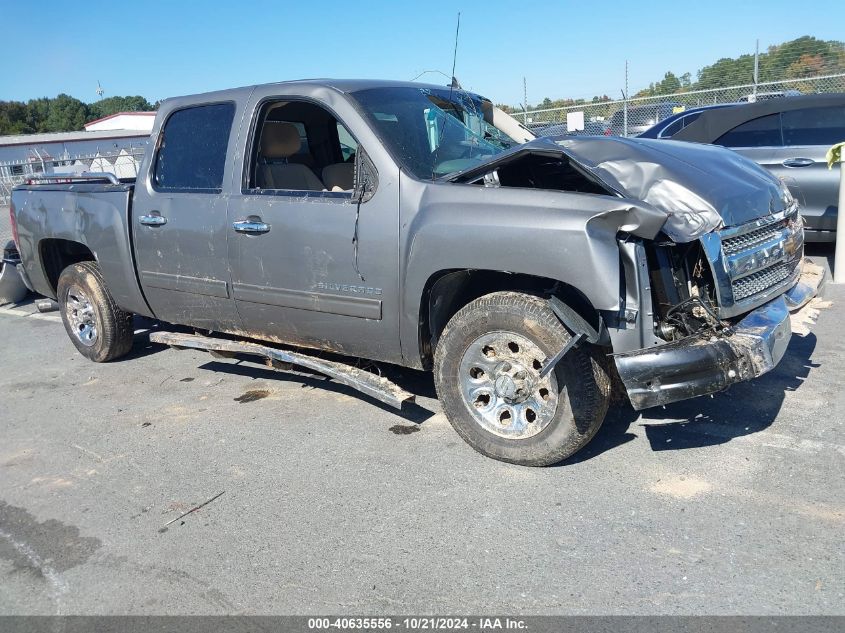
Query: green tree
[[802, 57], [13, 118], [65, 113], [726, 72], [112, 105], [37, 111]]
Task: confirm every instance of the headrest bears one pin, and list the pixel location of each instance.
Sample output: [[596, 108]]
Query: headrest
[[341, 175], [279, 140]]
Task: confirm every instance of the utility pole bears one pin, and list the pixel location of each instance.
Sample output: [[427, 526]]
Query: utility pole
[[625, 103], [524, 101], [756, 68]]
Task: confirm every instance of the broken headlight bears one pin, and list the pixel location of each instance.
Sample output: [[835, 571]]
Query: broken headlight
[[686, 226]]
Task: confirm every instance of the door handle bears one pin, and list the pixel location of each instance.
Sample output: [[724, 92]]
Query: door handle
[[798, 162], [153, 219], [251, 226]]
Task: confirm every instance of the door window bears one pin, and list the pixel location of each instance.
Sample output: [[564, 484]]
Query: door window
[[348, 145], [761, 132], [191, 154], [300, 146], [814, 126]]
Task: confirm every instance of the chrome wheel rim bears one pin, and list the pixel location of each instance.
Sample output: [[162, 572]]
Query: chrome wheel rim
[[81, 317], [501, 385]]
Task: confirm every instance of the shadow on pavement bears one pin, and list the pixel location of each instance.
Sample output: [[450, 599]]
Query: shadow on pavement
[[744, 409], [141, 345], [247, 367], [705, 421]]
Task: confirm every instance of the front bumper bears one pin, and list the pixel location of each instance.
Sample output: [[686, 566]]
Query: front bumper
[[707, 363]]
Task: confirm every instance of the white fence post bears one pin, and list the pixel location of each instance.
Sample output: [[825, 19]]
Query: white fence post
[[839, 253]]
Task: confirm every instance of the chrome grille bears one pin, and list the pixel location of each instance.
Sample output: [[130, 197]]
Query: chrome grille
[[748, 241], [754, 262], [760, 281]]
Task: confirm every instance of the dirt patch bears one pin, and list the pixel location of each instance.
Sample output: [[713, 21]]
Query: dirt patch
[[403, 429], [681, 487], [252, 395]]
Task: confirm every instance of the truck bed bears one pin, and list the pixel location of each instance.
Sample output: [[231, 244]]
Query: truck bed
[[52, 216]]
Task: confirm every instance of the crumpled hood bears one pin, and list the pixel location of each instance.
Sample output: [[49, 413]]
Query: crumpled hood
[[675, 176], [700, 187]]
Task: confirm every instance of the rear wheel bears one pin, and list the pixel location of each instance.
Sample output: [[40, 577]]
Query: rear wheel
[[487, 374], [97, 327]]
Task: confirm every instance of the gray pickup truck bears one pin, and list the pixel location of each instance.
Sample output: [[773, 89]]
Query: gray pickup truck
[[422, 226]]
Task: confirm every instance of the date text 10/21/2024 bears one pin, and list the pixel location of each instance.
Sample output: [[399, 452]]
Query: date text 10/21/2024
[[424, 623]]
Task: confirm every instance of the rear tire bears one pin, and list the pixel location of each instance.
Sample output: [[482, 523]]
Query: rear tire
[[486, 372], [96, 326]]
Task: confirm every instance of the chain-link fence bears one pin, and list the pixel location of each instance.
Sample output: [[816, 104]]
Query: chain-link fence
[[123, 164], [629, 117]]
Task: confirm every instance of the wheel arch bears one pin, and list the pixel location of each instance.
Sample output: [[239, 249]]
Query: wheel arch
[[447, 291], [57, 254]]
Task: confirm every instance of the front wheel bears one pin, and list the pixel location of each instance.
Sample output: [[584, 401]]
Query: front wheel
[[99, 329], [487, 374]]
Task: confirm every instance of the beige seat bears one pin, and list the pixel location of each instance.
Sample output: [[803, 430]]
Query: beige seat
[[339, 177], [280, 141]]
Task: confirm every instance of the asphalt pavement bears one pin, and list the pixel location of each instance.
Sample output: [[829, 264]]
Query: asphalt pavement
[[325, 501]]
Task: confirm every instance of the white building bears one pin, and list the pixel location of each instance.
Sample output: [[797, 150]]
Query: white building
[[139, 121]]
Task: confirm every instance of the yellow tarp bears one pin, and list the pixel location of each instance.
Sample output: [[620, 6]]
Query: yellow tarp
[[834, 155]]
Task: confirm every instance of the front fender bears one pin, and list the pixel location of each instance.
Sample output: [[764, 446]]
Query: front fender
[[566, 237]]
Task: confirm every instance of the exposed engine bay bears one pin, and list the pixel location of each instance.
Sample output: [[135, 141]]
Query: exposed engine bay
[[683, 290]]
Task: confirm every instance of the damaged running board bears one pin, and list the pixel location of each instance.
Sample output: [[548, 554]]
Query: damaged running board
[[375, 386]]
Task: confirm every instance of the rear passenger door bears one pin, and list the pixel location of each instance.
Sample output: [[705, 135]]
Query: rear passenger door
[[792, 145], [757, 139], [807, 135], [179, 219]]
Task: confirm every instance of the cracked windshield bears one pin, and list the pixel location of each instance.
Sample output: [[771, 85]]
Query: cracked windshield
[[434, 132]]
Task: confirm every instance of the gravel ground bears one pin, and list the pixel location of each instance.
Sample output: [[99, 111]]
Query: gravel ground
[[332, 503]]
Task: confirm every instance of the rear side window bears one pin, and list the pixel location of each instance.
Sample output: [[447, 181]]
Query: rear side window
[[678, 124], [192, 150], [761, 132], [814, 126]]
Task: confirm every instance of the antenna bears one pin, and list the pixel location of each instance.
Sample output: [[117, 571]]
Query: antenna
[[455, 55], [100, 90]]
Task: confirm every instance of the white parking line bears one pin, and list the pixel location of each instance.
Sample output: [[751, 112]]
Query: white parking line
[[35, 315]]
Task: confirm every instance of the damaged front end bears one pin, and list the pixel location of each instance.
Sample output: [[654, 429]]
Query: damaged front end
[[719, 353], [722, 302], [716, 282]]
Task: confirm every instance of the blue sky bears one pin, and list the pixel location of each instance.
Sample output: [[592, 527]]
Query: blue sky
[[563, 49]]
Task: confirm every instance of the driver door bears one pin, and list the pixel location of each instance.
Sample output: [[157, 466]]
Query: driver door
[[313, 266]]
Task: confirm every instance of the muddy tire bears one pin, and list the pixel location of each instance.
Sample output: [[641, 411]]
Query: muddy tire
[[97, 327], [486, 372]]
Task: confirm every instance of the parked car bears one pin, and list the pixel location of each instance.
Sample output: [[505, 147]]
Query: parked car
[[640, 118], [790, 138], [672, 125], [518, 270], [591, 128], [763, 96]]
